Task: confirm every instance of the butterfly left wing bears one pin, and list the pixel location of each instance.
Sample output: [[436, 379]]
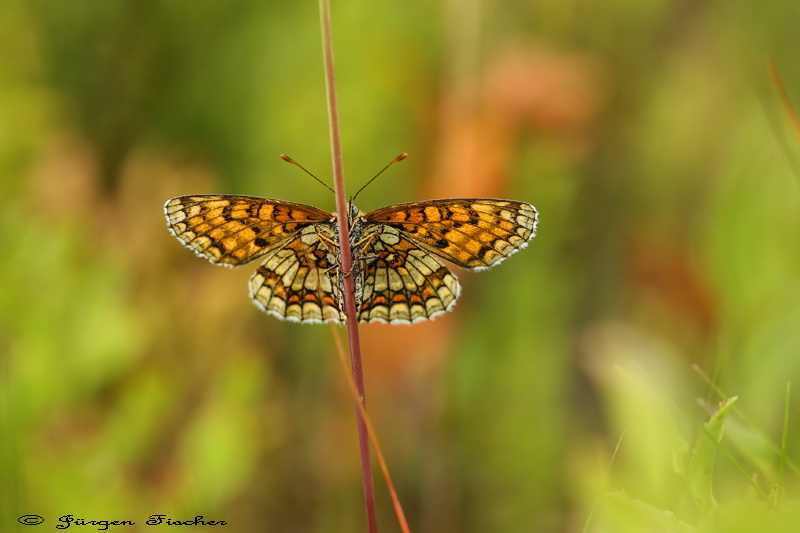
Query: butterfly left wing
[[231, 230], [398, 281], [474, 233], [300, 281]]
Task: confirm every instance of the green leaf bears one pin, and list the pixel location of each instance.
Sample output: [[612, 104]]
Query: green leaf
[[701, 465]]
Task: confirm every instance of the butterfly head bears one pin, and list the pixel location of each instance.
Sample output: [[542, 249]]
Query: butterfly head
[[352, 211]]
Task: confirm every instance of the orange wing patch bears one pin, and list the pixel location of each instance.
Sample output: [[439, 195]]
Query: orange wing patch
[[473, 233], [232, 230]]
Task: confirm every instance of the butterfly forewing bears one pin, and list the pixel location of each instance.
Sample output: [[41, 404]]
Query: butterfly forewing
[[474, 233], [232, 230]]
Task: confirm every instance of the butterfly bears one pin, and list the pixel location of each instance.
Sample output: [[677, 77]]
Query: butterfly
[[397, 273]]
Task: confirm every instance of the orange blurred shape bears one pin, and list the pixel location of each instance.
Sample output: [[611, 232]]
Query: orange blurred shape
[[555, 92], [665, 282], [524, 88]]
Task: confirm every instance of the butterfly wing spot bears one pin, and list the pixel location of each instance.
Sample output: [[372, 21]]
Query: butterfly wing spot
[[284, 264], [424, 262], [268, 293]]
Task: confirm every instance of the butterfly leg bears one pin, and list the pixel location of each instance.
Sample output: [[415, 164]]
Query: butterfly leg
[[365, 241], [360, 259], [330, 243]]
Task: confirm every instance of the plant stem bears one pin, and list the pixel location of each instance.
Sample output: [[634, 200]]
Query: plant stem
[[347, 263]]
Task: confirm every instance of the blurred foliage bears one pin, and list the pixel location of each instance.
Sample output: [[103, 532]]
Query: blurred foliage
[[572, 389]]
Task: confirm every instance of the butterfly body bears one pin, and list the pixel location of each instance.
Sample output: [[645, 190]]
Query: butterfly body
[[396, 272]]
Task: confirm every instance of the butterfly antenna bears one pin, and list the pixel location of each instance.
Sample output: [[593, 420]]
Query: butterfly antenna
[[304, 169], [395, 160]]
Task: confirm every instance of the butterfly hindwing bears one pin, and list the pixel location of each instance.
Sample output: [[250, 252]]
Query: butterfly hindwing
[[398, 281], [299, 281]]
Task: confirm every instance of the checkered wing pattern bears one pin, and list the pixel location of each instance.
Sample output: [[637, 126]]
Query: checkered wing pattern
[[298, 277], [232, 230], [396, 274], [399, 281], [300, 281], [474, 233]]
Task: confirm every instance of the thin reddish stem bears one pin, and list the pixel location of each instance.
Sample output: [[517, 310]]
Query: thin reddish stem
[[373, 437], [347, 264]]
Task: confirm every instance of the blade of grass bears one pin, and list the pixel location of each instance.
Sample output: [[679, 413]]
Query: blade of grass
[[784, 97], [784, 444], [701, 463], [722, 395], [346, 263], [605, 480]]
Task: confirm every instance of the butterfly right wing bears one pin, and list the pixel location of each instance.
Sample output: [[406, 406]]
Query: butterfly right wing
[[231, 230], [300, 280], [474, 233], [399, 281]]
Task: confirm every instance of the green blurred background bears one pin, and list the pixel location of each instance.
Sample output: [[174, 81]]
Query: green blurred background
[[137, 379]]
